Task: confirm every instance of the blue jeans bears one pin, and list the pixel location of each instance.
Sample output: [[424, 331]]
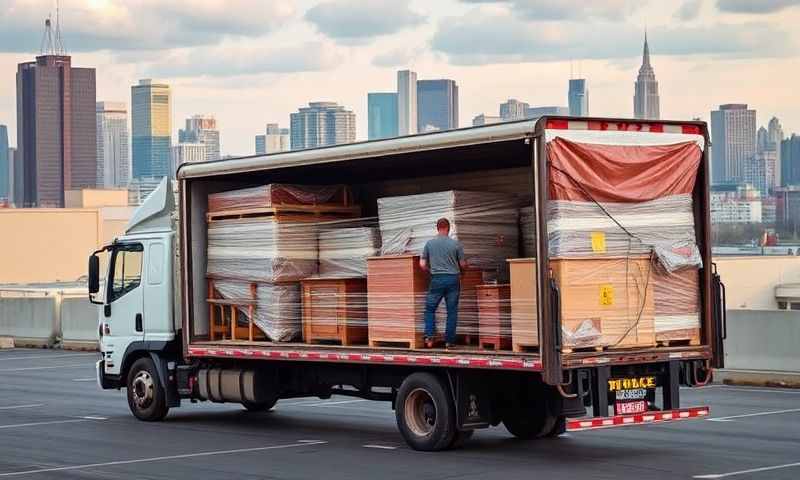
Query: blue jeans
[[448, 287]]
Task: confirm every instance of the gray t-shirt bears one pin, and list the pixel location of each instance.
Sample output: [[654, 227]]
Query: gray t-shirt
[[443, 254]]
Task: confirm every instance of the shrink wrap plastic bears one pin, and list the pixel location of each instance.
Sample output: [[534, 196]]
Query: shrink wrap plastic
[[664, 225], [527, 225], [277, 194], [677, 302], [277, 311], [262, 249], [485, 223], [343, 251]]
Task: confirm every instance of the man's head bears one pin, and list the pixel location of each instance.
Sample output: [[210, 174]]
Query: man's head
[[443, 226]]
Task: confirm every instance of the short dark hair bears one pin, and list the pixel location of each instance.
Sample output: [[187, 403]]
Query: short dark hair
[[442, 223]]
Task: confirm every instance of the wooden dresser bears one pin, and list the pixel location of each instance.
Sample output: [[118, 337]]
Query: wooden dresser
[[335, 310]]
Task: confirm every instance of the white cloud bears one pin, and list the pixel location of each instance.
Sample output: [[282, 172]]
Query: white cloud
[[568, 9], [476, 39], [755, 6], [360, 19], [689, 10], [138, 24]]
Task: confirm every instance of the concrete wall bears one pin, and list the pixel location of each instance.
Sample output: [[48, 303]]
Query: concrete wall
[[750, 281], [50, 245], [96, 197], [763, 340], [48, 317]]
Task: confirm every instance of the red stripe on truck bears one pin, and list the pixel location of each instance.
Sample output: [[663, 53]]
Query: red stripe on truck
[[638, 419], [350, 357]]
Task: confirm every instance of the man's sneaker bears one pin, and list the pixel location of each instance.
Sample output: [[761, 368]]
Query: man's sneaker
[[450, 346], [428, 342]]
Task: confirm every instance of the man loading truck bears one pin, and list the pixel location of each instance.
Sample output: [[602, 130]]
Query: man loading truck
[[443, 258]]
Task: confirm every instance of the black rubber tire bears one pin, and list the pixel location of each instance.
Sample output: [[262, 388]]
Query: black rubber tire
[[157, 408], [259, 407], [530, 424], [443, 430], [461, 437]]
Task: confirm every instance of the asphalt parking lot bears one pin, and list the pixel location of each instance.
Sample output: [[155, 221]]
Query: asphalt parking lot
[[56, 423]]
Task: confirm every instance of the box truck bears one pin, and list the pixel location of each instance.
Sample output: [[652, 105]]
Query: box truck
[[160, 314]]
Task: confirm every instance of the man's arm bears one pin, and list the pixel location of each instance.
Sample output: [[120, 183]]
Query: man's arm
[[423, 260], [461, 262]]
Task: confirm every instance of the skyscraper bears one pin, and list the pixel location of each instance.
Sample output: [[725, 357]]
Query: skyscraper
[[322, 124], [382, 115], [17, 189], [406, 102], [276, 139], [578, 98], [790, 161], [187, 152], [113, 164], [55, 128], [151, 122], [775, 137], [645, 99], [261, 144], [733, 134], [202, 129], [533, 113], [513, 109], [437, 105], [5, 166]]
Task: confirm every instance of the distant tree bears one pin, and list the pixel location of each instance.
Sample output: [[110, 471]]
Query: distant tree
[[737, 233]]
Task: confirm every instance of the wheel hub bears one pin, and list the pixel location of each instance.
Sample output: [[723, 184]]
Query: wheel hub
[[420, 412], [143, 389]]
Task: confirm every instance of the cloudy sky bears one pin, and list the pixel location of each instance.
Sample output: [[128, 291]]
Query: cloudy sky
[[250, 62]]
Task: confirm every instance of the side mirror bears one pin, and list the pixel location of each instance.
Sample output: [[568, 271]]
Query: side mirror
[[94, 274]]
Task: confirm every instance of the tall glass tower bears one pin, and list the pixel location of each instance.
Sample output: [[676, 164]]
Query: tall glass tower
[[578, 98], [437, 105], [151, 109], [382, 115]]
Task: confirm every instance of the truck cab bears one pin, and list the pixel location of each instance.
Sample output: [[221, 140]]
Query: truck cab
[[136, 318]]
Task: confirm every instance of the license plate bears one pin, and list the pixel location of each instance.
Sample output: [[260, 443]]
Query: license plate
[[630, 394]]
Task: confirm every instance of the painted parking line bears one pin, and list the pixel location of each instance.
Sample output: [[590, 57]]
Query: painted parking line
[[65, 355], [160, 459], [36, 424], [758, 414], [321, 404], [90, 379], [745, 472], [29, 405], [22, 369], [380, 447]]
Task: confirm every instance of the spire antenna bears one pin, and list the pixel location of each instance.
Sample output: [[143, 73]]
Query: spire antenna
[[59, 43]]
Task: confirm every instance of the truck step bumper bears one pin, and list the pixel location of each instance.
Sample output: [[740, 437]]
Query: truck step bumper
[[595, 423]]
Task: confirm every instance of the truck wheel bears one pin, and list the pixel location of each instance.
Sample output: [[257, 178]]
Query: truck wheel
[[146, 397], [425, 413], [260, 406], [527, 424]]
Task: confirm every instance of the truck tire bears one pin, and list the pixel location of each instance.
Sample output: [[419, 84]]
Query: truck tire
[[527, 424], [146, 397], [426, 415], [259, 407]]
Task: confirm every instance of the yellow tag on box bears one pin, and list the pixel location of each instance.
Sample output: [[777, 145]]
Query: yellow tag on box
[[606, 295], [599, 242]]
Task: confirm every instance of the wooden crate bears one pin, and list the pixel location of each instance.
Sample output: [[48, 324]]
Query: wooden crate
[[396, 287], [334, 309], [677, 306], [614, 292], [494, 316], [524, 315]]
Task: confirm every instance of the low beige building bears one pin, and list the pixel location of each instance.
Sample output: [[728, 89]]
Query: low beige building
[[53, 244], [757, 282]]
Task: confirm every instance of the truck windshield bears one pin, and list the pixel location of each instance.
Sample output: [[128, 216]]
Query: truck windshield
[[126, 271]]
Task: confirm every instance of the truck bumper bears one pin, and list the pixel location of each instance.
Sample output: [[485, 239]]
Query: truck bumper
[[105, 382], [638, 419]]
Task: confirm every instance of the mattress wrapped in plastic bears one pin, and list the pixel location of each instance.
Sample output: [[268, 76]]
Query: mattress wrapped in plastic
[[343, 251], [486, 224], [276, 194], [527, 225], [277, 310], [262, 249], [664, 225]]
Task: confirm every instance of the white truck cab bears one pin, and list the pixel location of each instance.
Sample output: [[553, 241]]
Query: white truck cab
[[136, 313]]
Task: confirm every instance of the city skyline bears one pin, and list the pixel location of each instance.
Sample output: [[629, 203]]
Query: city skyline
[[691, 56]]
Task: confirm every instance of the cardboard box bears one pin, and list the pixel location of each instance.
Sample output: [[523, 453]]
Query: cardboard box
[[524, 314]]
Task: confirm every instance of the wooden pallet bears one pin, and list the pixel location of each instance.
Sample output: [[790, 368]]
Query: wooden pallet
[[495, 343], [223, 315], [521, 348], [595, 348], [395, 343], [289, 213]]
